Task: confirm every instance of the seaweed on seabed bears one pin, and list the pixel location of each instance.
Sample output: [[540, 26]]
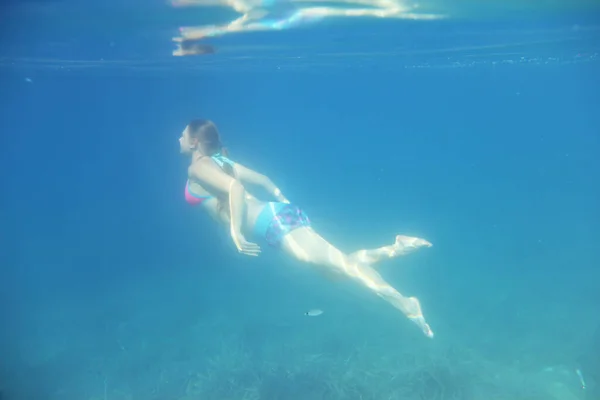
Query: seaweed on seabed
[[438, 382], [281, 384]]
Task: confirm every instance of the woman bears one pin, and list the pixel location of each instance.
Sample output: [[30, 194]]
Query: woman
[[216, 184]]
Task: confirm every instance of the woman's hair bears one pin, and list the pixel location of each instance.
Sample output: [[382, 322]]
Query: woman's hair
[[209, 140]]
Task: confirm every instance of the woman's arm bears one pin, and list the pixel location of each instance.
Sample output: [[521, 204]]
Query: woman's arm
[[236, 210], [254, 178], [213, 179]]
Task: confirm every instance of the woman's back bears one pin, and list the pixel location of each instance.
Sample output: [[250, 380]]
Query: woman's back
[[219, 211]]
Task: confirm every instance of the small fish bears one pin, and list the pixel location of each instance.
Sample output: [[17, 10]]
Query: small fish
[[28, 80], [314, 313]]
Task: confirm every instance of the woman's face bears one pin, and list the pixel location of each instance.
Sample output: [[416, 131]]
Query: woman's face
[[186, 144]]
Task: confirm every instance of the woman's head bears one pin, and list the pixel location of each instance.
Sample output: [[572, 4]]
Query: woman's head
[[201, 135]]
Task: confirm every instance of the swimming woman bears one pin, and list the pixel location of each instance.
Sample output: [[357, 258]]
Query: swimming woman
[[216, 184]]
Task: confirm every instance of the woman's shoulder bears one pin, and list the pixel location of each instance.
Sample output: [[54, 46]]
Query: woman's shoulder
[[196, 164], [195, 187]]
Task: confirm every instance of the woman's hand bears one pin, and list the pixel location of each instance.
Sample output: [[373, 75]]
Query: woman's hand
[[244, 246]]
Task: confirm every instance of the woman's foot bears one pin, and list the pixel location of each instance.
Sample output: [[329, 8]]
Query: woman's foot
[[407, 244], [414, 313]]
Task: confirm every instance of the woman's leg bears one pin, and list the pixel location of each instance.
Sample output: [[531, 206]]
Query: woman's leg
[[403, 246], [308, 246]]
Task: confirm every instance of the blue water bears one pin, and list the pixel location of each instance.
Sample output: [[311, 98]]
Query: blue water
[[479, 132]]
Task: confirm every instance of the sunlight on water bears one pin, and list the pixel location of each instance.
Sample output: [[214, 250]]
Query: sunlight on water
[[277, 15], [285, 35], [269, 15]]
